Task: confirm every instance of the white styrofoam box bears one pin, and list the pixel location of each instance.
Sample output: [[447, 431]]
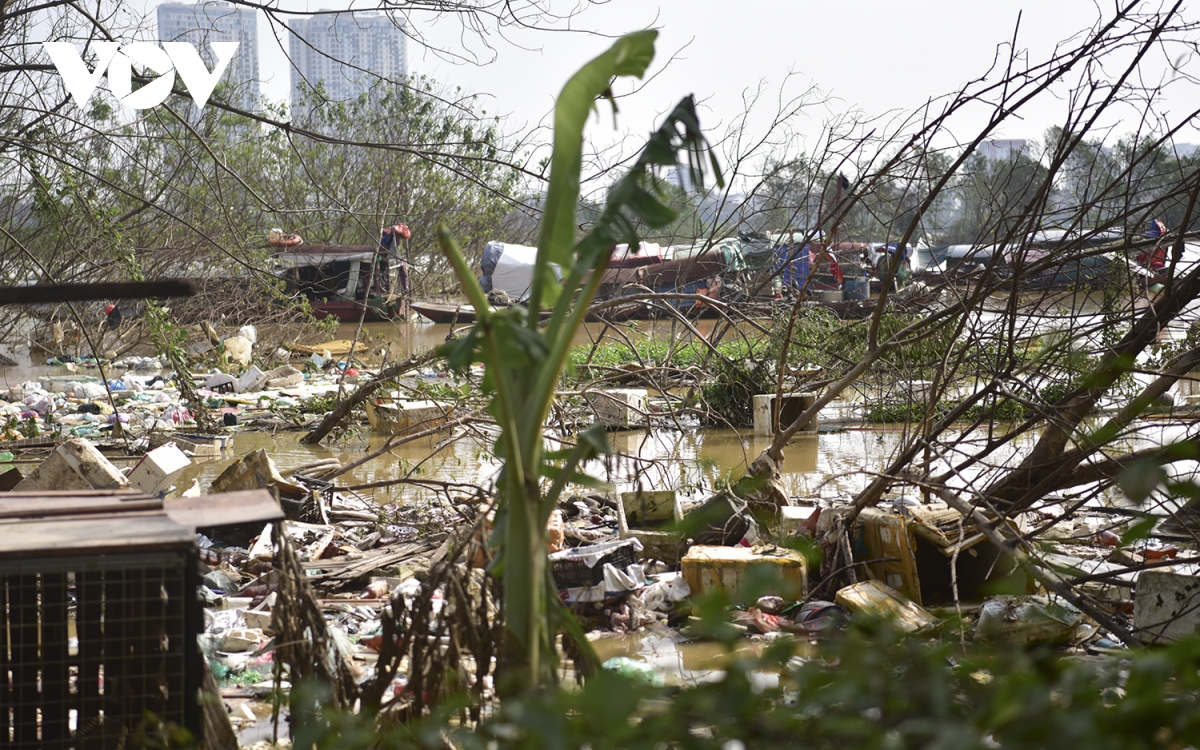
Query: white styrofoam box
[[251, 380], [1166, 606], [74, 465], [790, 407], [158, 469], [619, 408]]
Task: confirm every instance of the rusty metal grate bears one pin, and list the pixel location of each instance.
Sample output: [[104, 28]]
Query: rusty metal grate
[[95, 650]]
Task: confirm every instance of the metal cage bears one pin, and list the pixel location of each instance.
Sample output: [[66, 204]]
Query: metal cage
[[98, 625]]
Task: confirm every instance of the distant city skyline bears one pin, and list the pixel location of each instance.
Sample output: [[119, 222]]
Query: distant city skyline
[[884, 60], [348, 53], [205, 22]]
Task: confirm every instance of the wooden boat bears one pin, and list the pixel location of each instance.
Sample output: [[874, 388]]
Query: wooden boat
[[458, 314], [439, 313], [343, 280]]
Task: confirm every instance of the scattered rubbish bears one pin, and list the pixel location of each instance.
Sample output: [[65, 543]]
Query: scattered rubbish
[[818, 617], [555, 532], [238, 350], [595, 572], [632, 668], [666, 590]]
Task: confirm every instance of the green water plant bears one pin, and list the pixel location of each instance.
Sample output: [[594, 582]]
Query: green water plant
[[524, 357]]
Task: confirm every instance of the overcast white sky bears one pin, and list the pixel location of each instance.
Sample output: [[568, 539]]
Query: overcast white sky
[[876, 56]]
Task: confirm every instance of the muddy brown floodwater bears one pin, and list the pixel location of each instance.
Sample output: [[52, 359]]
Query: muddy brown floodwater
[[831, 465]]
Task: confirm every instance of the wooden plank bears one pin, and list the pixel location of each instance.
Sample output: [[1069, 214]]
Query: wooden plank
[[126, 533], [121, 494], [40, 506], [224, 509], [358, 567], [42, 293], [46, 441]]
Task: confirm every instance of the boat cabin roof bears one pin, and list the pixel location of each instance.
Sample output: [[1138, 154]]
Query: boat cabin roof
[[317, 255]]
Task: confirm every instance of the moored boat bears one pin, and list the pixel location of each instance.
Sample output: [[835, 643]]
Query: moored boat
[[346, 280]]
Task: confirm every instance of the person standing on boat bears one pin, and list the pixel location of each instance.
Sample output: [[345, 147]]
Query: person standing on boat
[[1156, 258], [895, 262]]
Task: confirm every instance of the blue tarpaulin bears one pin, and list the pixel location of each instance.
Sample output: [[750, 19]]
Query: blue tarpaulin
[[793, 263]]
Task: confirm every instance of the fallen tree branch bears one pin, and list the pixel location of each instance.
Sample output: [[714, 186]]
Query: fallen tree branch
[[397, 440]]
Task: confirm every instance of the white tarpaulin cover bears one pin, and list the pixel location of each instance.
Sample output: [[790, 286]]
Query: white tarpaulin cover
[[514, 271]]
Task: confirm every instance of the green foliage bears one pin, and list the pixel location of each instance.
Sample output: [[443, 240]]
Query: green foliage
[[870, 688], [524, 361], [736, 377]]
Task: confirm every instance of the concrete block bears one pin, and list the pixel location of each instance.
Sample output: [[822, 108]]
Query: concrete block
[[649, 506], [74, 465], [1166, 606], [619, 408], [791, 406], [708, 568], [158, 469]]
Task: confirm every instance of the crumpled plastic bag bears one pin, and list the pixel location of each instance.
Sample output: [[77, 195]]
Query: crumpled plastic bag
[[661, 595]]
